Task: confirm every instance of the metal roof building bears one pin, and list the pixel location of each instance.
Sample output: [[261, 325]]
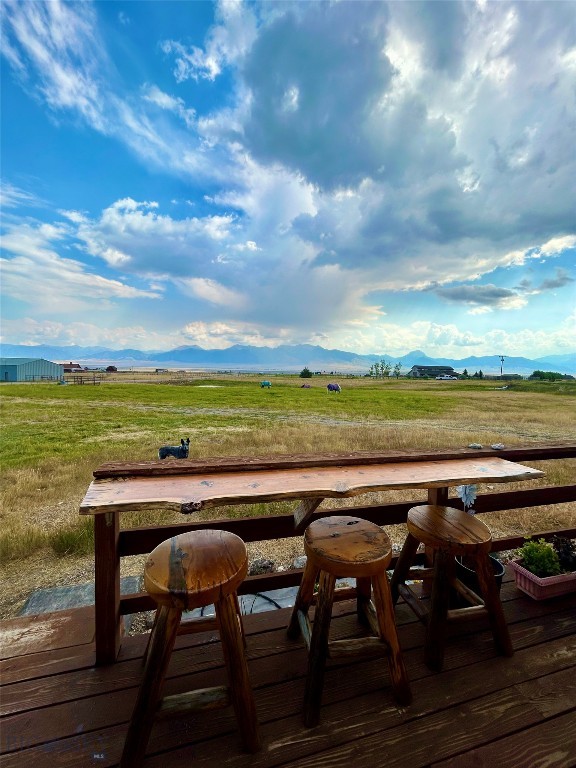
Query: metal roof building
[[29, 369], [423, 371]]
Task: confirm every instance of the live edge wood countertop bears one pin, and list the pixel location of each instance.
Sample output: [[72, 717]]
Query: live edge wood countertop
[[191, 486]]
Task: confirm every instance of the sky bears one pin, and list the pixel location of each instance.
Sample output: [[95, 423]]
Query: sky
[[368, 176]]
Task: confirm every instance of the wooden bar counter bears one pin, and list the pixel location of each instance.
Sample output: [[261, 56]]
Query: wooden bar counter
[[190, 486]]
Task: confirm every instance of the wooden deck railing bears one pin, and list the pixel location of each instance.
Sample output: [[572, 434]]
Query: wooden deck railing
[[112, 543]]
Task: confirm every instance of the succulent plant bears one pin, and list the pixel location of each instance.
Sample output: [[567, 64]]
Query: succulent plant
[[540, 558]]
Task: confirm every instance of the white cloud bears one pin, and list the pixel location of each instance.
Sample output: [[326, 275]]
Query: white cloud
[[66, 54], [88, 334], [218, 335], [249, 245], [451, 341], [135, 236], [14, 197], [77, 217], [449, 159], [56, 49], [154, 95], [211, 291], [227, 41], [67, 286], [390, 146], [558, 244]]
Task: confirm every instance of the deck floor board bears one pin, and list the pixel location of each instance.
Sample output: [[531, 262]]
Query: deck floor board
[[59, 711]]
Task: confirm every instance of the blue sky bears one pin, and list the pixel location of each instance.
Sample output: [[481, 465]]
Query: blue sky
[[369, 176]]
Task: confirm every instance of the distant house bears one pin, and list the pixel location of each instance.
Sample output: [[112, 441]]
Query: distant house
[[72, 368], [29, 369], [431, 371]]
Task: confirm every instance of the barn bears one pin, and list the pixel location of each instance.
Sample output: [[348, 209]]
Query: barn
[[29, 369], [431, 371]]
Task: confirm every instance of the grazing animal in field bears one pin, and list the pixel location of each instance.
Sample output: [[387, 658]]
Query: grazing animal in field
[[177, 451], [306, 386], [333, 388], [267, 384]]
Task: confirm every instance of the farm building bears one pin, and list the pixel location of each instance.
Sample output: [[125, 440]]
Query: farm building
[[72, 368], [421, 371], [29, 369]]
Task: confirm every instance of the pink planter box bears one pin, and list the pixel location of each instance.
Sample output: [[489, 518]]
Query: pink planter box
[[541, 589]]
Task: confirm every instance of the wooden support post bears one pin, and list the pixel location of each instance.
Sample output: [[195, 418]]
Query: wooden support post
[[303, 513], [107, 586], [438, 497]]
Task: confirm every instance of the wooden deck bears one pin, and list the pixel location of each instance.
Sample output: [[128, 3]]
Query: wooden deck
[[58, 709]]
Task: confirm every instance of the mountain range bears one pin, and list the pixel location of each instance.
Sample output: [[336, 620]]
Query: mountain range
[[282, 358]]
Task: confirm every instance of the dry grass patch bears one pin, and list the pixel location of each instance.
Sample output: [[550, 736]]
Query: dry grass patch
[[39, 502]]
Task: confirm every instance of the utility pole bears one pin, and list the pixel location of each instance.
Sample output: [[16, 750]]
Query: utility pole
[[502, 358]]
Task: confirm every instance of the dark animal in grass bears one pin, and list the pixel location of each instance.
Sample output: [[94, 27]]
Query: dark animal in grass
[[333, 388], [177, 451]]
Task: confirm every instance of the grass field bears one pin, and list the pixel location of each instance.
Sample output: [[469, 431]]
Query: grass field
[[54, 436]]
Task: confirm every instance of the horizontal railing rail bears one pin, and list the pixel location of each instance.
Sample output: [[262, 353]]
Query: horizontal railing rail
[[266, 582], [560, 450], [140, 540]]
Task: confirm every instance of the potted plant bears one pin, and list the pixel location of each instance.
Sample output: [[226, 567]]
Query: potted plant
[[545, 570]]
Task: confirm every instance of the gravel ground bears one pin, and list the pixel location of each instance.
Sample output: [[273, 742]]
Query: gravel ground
[[45, 570]]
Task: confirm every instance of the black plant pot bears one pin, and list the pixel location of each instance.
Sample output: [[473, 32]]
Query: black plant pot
[[468, 577]]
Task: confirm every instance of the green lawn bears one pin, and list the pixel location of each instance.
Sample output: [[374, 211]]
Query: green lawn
[[43, 420], [53, 437]]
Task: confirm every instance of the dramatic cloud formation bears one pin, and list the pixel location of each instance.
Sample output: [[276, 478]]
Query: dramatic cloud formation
[[357, 174]]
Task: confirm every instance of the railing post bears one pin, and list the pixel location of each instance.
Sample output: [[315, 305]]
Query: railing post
[[438, 497], [107, 586]]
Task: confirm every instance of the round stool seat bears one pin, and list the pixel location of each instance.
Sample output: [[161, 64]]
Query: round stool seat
[[195, 569], [449, 529], [347, 546]]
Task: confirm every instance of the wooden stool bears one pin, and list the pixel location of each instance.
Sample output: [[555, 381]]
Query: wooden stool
[[449, 532], [186, 572], [346, 547]]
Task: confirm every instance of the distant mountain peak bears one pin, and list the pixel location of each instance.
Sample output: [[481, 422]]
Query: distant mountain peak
[[287, 357]]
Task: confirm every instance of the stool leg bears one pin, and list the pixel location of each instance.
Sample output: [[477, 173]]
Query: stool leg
[[363, 595], [149, 643], [229, 623], [437, 619], [159, 652], [303, 598], [239, 612], [318, 650], [405, 560], [388, 633], [493, 605]]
